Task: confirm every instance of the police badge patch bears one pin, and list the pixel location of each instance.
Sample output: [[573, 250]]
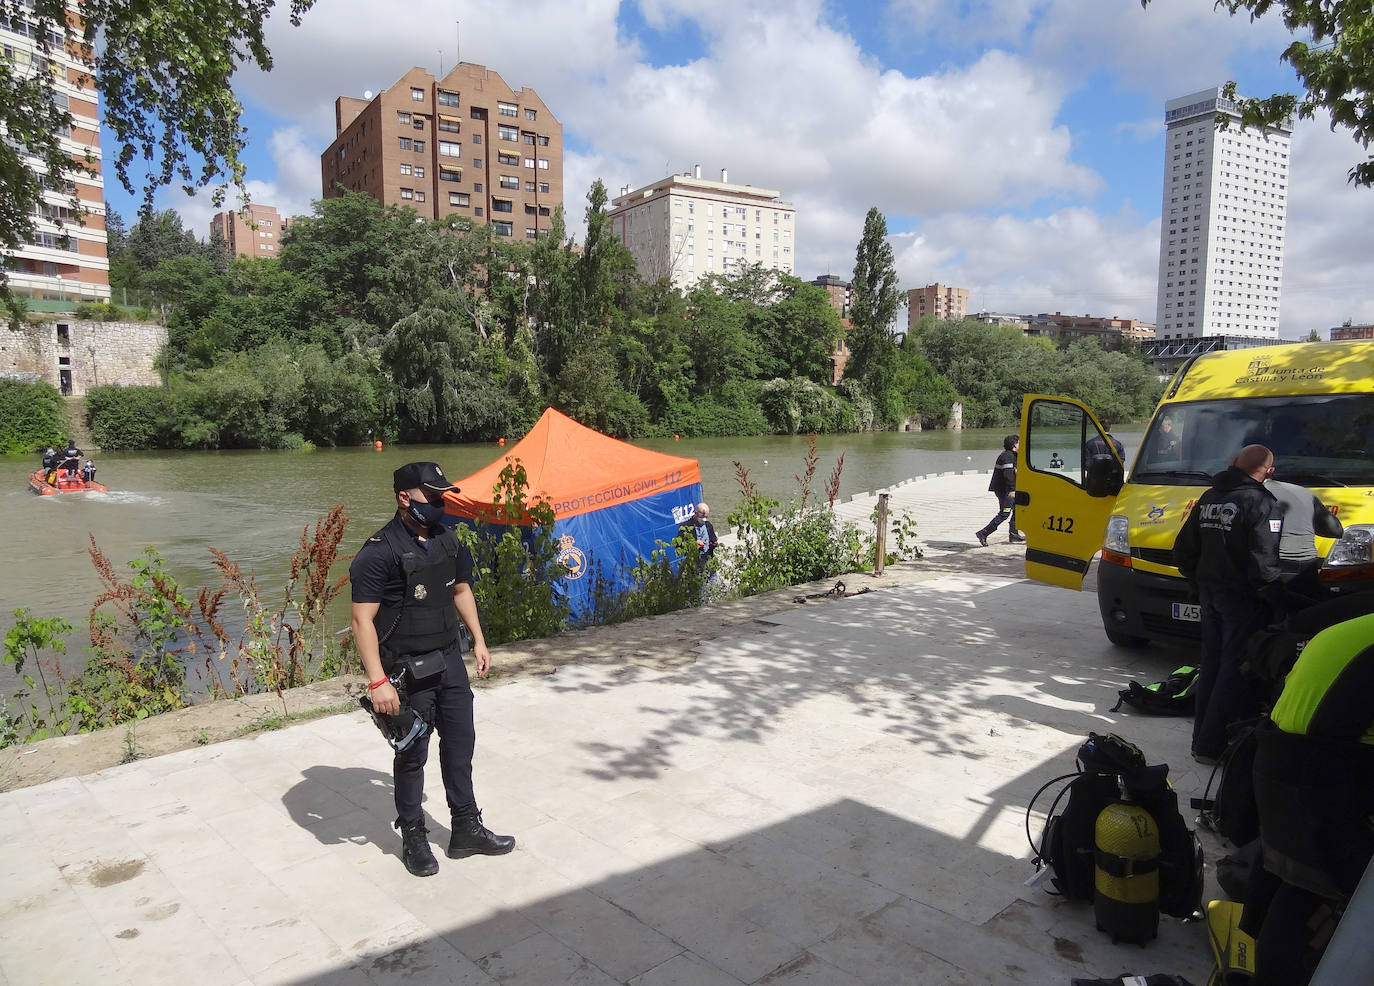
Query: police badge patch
[[421, 591]]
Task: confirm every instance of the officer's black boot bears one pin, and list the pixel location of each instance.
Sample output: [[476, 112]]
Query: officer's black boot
[[415, 852], [982, 537], [1013, 537], [472, 838]]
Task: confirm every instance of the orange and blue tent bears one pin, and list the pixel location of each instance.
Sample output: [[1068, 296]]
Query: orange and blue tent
[[612, 501]]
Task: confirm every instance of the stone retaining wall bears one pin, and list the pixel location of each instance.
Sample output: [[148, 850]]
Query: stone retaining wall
[[74, 354]]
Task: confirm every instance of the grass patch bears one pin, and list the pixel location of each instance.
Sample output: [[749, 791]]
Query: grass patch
[[282, 720]]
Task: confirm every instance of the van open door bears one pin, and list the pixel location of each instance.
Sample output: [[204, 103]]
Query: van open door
[[1067, 477]]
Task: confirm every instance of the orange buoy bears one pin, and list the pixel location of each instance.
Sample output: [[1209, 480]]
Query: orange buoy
[[377, 445], [677, 438], [501, 442]]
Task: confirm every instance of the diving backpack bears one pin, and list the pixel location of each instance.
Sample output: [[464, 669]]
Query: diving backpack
[[1171, 697], [1108, 768]]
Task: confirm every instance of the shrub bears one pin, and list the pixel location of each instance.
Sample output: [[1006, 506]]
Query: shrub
[[515, 563], [32, 416], [779, 545], [132, 417]]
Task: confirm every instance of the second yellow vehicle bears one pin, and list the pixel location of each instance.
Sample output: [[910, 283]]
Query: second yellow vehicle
[[1312, 404]]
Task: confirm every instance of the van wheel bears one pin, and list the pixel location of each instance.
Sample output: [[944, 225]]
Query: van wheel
[[1127, 640]]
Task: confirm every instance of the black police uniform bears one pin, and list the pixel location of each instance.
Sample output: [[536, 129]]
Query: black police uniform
[[413, 580], [1229, 548], [1003, 485]]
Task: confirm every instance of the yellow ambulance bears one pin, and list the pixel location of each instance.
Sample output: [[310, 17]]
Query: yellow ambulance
[[1311, 403]]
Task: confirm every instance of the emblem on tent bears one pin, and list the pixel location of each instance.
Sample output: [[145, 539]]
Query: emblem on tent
[[571, 557]]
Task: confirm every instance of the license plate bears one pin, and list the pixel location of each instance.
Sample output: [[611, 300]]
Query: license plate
[[1190, 612]]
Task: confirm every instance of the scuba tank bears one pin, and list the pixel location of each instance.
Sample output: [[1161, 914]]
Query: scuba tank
[[1126, 873]]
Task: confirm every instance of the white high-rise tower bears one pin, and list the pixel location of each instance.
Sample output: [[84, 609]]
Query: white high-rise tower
[[1221, 224]]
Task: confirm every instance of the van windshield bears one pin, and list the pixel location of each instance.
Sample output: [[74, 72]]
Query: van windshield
[[1317, 441]]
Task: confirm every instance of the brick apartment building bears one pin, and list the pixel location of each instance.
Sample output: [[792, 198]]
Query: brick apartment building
[[841, 295], [64, 263], [940, 300], [256, 235], [466, 144], [1066, 328], [1348, 331]]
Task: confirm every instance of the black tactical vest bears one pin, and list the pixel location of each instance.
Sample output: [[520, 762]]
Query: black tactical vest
[[425, 619]]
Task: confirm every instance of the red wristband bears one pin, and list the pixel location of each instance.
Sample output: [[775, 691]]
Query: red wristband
[[373, 686]]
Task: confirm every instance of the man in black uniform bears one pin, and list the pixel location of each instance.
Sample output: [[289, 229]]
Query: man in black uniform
[[1003, 486], [411, 583], [1229, 549]]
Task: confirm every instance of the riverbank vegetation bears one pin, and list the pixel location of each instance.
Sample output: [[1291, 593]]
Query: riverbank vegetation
[[375, 324], [156, 645], [31, 417]]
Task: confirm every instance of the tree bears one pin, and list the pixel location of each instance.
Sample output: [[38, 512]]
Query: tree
[[163, 75], [872, 350], [1336, 70]]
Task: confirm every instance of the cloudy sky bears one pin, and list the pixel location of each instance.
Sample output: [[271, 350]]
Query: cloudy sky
[[1015, 146]]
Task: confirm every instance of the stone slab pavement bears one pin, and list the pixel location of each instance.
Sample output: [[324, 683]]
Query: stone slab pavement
[[832, 795]]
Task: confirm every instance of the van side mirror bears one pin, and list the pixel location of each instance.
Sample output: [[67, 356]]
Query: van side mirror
[[1104, 476]]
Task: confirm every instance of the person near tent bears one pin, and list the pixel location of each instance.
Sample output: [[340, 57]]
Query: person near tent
[[1098, 446], [411, 582], [702, 530], [1003, 486]]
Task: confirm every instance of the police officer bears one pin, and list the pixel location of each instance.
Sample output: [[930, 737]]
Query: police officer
[[411, 582], [1229, 549], [71, 458]]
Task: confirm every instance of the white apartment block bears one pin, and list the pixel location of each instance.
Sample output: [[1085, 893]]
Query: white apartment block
[[1221, 223], [684, 227], [66, 261]]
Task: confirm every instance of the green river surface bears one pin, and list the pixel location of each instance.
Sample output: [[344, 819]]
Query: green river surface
[[254, 505]]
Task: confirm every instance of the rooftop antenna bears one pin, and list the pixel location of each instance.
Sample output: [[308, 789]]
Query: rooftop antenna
[[458, 40], [441, 63]]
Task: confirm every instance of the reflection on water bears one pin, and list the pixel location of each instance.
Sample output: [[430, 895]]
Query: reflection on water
[[254, 506]]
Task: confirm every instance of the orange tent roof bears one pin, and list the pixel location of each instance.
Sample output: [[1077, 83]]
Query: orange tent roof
[[576, 469]]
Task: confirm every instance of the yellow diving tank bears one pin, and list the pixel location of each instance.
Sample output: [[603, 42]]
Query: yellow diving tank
[[1126, 874]]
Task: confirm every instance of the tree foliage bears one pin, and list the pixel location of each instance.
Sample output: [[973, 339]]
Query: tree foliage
[[163, 74], [872, 350], [1336, 69]]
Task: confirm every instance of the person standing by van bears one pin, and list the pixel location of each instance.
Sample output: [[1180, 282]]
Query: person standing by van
[[1228, 549], [1304, 518], [1003, 486]]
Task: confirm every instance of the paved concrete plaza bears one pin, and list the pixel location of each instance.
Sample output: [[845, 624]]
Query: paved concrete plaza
[[832, 795]]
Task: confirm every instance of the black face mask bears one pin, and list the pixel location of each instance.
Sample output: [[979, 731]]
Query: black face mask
[[427, 514]]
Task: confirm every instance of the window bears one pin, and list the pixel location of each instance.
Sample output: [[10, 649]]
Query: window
[[543, 164], [450, 148], [405, 169], [418, 123], [527, 138], [404, 142], [543, 188], [477, 210], [529, 162], [501, 205], [530, 232], [458, 198], [450, 124], [529, 186], [530, 114], [511, 159], [419, 146], [477, 138], [419, 171], [543, 210], [419, 195], [509, 181], [418, 95], [477, 162], [503, 229], [511, 134], [543, 141], [447, 98], [407, 193], [477, 187], [402, 118], [507, 109]]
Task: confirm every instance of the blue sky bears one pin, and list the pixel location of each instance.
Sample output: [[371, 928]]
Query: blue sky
[[1015, 146]]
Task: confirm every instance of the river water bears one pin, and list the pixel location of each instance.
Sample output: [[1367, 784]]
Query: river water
[[254, 505]]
